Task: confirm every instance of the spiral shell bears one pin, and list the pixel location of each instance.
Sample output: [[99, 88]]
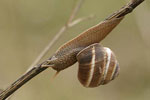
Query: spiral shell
[[97, 66]]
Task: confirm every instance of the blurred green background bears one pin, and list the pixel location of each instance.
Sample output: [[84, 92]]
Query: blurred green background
[[27, 26]]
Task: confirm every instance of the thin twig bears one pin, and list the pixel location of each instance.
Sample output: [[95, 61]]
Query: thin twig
[[79, 20], [61, 31], [38, 69], [75, 11], [33, 71]]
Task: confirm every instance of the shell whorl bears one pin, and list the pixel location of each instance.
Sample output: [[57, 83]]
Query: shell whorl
[[97, 66]]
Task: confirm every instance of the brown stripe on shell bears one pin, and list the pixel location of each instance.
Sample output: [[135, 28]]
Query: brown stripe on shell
[[115, 70], [83, 74], [96, 70], [86, 65], [116, 73], [103, 68], [97, 74], [92, 67], [110, 69]]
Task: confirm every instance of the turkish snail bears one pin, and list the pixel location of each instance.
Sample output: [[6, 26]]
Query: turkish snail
[[79, 49], [97, 64], [101, 69], [103, 65]]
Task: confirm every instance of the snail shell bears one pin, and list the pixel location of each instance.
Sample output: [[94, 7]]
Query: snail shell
[[97, 66]]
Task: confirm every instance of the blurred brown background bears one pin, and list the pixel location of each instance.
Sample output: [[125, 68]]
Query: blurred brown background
[[26, 27]]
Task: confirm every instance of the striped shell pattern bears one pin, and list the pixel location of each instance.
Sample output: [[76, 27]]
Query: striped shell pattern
[[97, 66]]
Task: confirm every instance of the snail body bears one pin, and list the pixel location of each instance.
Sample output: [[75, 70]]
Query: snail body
[[65, 56], [97, 65]]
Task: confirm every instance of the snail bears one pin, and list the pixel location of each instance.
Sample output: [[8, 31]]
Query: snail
[[97, 64], [104, 66]]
